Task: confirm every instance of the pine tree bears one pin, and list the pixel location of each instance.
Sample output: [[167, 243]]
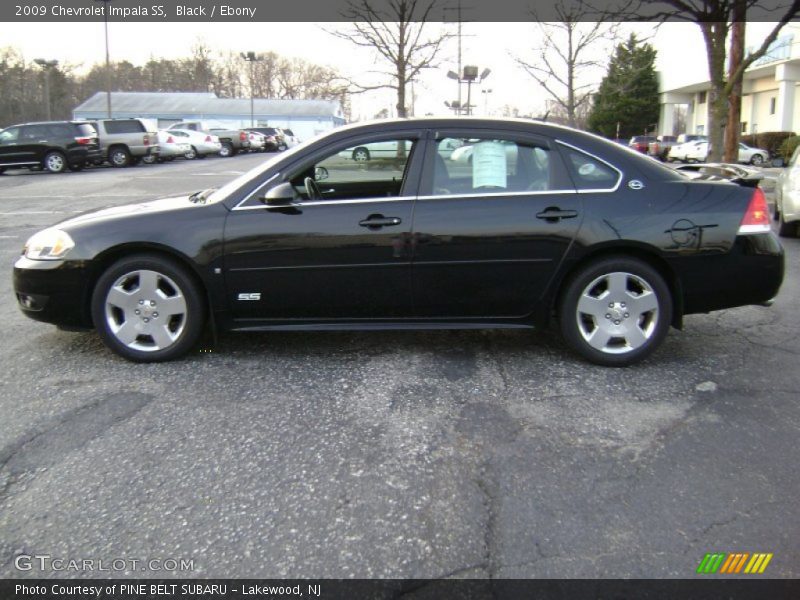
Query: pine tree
[[628, 94]]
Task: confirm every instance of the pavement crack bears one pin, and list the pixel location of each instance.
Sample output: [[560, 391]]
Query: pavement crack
[[69, 432]]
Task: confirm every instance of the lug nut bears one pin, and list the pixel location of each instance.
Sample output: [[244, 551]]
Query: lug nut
[[137, 311], [622, 304], [155, 314], [610, 305], [615, 322], [627, 315], [152, 303], [608, 316], [141, 301], [146, 320]]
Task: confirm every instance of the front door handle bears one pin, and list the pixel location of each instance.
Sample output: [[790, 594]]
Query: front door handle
[[553, 214], [378, 221]]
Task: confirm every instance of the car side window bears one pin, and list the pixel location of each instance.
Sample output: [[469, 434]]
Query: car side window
[[589, 173], [9, 135], [368, 170], [35, 133], [475, 165]]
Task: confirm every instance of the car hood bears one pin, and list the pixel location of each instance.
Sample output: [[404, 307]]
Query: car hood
[[132, 210]]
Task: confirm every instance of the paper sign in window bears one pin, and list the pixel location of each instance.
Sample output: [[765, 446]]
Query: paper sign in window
[[489, 165]]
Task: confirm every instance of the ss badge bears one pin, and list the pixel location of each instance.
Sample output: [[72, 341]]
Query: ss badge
[[249, 296]]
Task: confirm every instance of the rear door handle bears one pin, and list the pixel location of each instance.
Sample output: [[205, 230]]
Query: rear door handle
[[378, 221], [553, 214]]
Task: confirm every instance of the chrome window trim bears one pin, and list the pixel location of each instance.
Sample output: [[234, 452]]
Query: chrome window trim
[[329, 202], [251, 194], [605, 162], [496, 194]]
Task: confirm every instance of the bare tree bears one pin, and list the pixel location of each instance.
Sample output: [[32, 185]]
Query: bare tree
[[715, 19], [569, 48], [399, 31]]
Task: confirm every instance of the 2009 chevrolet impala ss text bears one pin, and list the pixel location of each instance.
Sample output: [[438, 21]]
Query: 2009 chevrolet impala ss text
[[429, 223]]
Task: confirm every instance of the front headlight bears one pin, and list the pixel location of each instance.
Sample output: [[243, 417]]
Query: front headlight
[[49, 244]]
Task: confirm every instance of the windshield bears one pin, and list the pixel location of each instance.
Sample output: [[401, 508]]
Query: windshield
[[251, 178]]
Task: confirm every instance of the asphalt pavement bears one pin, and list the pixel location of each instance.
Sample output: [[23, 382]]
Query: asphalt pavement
[[388, 454]]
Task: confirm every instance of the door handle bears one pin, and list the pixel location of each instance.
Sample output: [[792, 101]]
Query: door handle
[[43, 141], [378, 221], [553, 214]]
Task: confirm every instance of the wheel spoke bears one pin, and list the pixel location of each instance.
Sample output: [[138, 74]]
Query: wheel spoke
[[599, 338], [643, 303], [148, 283], [634, 336], [173, 305], [162, 336], [617, 284], [127, 333], [592, 306], [121, 299]]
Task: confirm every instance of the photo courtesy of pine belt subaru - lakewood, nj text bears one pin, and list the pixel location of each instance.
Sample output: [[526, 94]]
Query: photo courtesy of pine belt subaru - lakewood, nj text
[[465, 223]]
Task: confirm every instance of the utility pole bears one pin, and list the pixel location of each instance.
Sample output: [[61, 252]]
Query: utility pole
[[106, 4], [251, 58], [46, 65]]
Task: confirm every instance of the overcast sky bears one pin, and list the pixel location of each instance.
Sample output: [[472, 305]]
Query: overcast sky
[[681, 56]]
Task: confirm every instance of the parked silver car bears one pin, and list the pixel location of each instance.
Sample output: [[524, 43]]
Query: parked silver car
[[787, 198]]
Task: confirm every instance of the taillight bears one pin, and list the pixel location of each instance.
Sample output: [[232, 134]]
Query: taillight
[[208, 138], [170, 140], [146, 140], [242, 136], [756, 218], [85, 141]]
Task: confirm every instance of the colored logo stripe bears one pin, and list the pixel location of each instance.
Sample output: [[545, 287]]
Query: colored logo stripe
[[725, 563]]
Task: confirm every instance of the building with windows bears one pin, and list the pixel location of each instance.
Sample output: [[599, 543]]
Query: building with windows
[[770, 101], [306, 118]]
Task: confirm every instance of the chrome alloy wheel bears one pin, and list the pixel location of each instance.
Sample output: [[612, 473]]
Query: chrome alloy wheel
[[145, 310], [55, 162], [617, 313]]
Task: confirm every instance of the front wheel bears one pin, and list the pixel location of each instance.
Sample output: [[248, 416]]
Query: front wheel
[[147, 308], [361, 155], [615, 311], [787, 230], [757, 159]]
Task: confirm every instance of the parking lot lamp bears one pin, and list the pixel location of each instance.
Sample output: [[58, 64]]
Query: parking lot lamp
[[251, 57], [106, 4], [46, 65]]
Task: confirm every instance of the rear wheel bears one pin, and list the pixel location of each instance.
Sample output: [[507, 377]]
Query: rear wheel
[[615, 311], [119, 157], [757, 159], [147, 308], [786, 229], [149, 159], [361, 155], [226, 150], [55, 162], [191, 154]]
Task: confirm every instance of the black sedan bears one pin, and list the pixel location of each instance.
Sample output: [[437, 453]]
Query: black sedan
[[457, 223]]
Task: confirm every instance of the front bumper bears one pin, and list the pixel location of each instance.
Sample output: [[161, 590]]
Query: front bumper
[[55, 292]]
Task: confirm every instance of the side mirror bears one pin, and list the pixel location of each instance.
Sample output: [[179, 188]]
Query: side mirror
[[778, 162], [320, 173], [282, 194]]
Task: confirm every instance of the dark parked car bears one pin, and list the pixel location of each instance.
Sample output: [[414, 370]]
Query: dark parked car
[[53, 146], [544, 224], [659, 148], [275, 133]]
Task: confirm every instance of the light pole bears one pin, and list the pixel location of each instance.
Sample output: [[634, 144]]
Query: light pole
[[46, 66], [486, 101], [106, 4], [251, 58], [469, 76]]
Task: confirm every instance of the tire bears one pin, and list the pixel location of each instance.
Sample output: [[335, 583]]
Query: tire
[[227, 150], [150, 159], [191, 154], [787, 230], [119, 157], [361, 154], [284, 147], [55, 162], [756, 160], [615, 311], [2, 170], [146, 284]]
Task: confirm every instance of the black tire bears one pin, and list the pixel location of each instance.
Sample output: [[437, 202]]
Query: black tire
[[191, 154], [54, 162], [119, 157], [756, 160], [787, 230], [2, 170], [630, 336], [178, 331], [361, 154], [151, 159], [227, 150]]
